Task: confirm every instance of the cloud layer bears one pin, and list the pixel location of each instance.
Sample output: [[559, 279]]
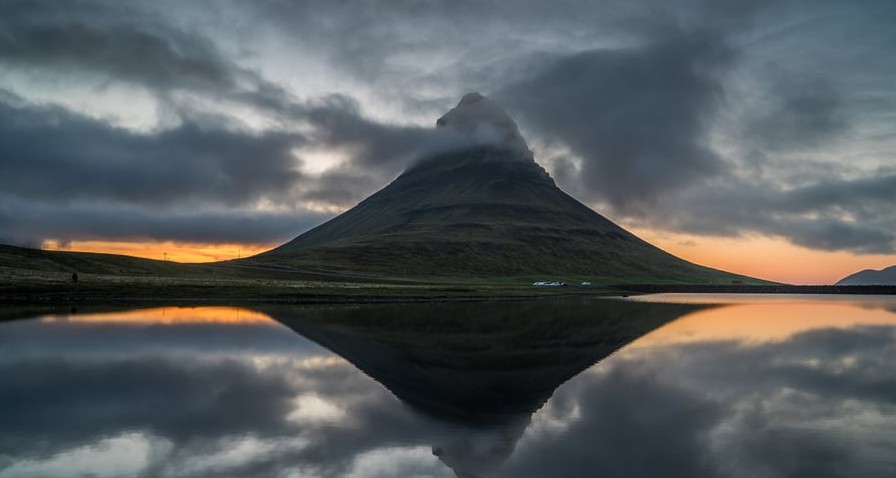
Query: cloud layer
[[718, 118], [635, 116]]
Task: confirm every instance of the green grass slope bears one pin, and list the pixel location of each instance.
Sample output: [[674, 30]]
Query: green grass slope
[[23, 258], [29, 275], [482, 213]]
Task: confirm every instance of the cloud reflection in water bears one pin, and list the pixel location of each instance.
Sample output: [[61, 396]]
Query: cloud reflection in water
[[251, 398]]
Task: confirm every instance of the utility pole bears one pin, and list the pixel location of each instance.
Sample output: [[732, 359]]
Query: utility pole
[[166, 256]]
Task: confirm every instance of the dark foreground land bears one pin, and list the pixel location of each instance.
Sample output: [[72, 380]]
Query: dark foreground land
[[29, 275], [35, 276]]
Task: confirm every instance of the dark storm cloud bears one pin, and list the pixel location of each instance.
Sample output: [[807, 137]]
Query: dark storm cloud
[[127, 42], [798, 115], [832, 194], [636, 116], [57, 166], [640, 120], [27, 222], [103, 38], [362, 36], [56, 157], [833, 234], [50, 154], [64, 176], [838, 214]]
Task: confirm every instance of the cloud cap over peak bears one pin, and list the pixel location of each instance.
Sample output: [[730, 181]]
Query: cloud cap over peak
[[483, 119]]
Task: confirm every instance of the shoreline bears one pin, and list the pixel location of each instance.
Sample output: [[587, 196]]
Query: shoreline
[[310, 299], [436, 295]]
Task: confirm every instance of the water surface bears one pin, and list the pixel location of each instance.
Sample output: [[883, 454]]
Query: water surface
[[664, 385]]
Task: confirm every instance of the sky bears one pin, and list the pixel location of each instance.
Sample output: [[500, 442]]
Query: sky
[[753, 136]]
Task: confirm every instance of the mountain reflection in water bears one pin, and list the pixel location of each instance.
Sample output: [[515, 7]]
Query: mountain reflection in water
[[477, 364], [781, 387]]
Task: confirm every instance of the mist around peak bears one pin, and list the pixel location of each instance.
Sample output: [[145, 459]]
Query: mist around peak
[[485, 123]]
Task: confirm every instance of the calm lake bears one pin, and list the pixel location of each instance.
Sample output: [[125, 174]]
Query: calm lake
[[662, 385]]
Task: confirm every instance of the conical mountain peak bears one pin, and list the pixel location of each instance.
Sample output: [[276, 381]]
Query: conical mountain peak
[[484, 120], [487, 210]]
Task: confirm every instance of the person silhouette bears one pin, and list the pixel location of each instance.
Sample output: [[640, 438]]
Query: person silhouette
[[74, 277]]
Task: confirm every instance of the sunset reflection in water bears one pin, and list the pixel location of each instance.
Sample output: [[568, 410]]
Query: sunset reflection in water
[[747, 386]]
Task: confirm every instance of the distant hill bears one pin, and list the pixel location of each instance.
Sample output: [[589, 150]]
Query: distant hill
[[885, 276], [23, 258], [484, 211]]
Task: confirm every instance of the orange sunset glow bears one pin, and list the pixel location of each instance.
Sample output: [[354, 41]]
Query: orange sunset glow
[[172, 251], [752, 320], [171, 316], [761, 257], [766, 258]]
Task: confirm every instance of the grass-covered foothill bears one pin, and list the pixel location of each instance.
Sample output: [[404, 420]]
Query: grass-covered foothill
[[46, 276], [482, 213]]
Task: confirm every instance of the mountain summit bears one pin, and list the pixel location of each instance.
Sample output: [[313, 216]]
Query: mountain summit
[[485, 211], [482, 118]]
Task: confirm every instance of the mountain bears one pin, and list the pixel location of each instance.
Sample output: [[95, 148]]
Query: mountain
[[485, 210], [885, 276]]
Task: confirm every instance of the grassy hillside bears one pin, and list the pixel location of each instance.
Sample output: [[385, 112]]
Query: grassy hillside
[[65, 263], [482, 214], [45, 276]]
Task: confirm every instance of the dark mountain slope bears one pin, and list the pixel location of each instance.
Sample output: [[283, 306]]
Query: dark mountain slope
[[484, 211], [480, 213]]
